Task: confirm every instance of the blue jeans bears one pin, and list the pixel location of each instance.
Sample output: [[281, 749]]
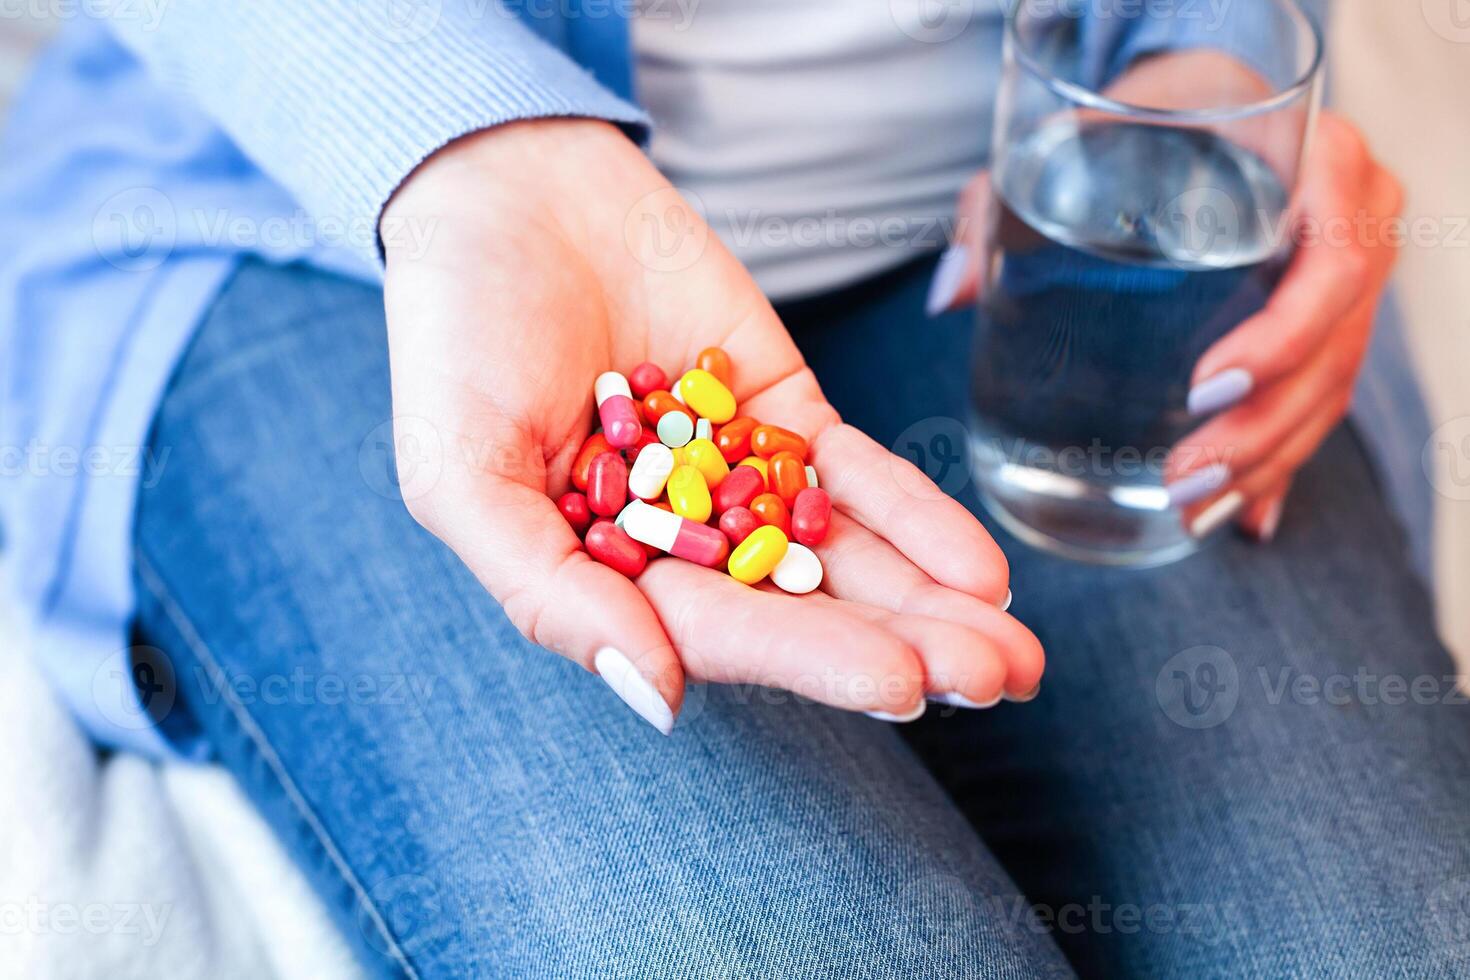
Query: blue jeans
[[1252, 763]]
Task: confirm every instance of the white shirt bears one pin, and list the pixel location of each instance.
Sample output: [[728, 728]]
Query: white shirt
[[826, 140]]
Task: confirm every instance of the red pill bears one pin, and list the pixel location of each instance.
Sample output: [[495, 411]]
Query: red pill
[[647, 377], [611, 545], [733, 439], [787, 476], [659, 403], [595, 446], [716, 362], [743, 485], [607, 484], [811, 516], [573, 507], [737, 523], [769, 508], [768, 440]]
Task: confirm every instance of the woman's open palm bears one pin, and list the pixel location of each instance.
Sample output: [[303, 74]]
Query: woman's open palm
[[557, 252]]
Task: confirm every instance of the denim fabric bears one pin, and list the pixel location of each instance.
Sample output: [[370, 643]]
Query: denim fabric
[[1176, 802]]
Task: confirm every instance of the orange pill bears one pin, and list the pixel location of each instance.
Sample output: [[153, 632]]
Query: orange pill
[[734, 439], [595, 446], [769, 508], [787, 476], [716, 362], [768, 440], [657, 404]]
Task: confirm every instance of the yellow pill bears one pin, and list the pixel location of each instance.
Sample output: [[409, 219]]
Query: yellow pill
[[689, 494], [759, 464], [758, 555], [705, 456], [704, 393]]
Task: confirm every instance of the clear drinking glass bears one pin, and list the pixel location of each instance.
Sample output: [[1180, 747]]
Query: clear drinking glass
[[1139, 212]]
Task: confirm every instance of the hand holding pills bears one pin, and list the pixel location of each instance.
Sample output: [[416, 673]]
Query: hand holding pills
[[502, 334]]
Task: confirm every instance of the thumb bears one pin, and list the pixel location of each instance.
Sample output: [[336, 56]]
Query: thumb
[[956, 281], [511, 535]]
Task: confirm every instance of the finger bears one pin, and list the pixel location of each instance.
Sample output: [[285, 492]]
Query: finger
[[1262, 517], [958, 276], [1242, 438], [1321, 287], [861, 567], [512, 537], [893, 498], [1346, 197], [1205, 517], [729, 633], [962, 666]]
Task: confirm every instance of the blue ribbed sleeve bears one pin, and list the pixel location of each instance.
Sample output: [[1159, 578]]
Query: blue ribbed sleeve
[[339, 100]]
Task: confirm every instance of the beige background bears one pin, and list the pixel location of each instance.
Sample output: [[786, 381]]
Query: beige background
[[1402, 69]]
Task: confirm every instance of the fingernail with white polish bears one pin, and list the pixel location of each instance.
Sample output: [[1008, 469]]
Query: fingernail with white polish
[[1219, 391], [1023, 698], [1271, 523], [946, 281], [635, 690], [1216, 514], [898, 719], [1198, 485], [956, 700], [1007, 603]]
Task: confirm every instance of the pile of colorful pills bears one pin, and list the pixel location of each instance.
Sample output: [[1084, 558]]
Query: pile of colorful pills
[[676, 471]]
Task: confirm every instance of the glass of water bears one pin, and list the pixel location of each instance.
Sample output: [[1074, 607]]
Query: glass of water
[[1142, 186]]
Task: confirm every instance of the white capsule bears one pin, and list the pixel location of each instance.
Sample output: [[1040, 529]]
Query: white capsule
[[675, 392], [610, 383], [651, 525], [799, 572], [703, 429], [651, 471], [811, 476]]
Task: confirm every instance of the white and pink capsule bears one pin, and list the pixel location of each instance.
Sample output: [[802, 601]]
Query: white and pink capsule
[[679, 536], [616, 410]]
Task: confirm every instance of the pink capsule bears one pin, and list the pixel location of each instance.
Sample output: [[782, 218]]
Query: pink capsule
[[607, 484], [616, 410], [679, 536]]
